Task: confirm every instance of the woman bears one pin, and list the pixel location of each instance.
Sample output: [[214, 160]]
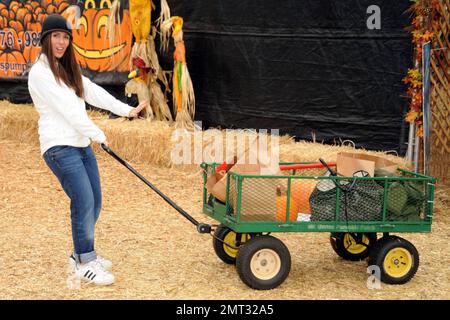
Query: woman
[[59, 92]]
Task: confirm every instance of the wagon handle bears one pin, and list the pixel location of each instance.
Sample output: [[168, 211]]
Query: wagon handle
[[332, 172], [201, 227]]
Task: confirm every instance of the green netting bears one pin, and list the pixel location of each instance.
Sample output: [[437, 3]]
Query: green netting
[[406, 200], [359, 200]]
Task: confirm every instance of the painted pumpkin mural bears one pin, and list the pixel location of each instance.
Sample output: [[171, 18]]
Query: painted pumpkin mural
[[21, 24], [92, 46]]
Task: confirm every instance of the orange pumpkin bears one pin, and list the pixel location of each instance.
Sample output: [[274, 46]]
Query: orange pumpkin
[[91, 43], [301, 190], [46, 3], [58, 2], [16, 25], [28, 6], [41, 17], [14, 5], [20, 14], [12, 15], [29, 17], [3, 22], [35, 4], [2, 6], [4, 13], [281, 205], [30, 53], [39, 10], [34, 26], [51, 9], [15, 62], [63, 6]]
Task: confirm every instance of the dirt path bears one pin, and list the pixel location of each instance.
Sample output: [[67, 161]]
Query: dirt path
[[157, 254]]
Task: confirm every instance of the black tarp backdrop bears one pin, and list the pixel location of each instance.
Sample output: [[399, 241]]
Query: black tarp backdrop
[[302, 66]]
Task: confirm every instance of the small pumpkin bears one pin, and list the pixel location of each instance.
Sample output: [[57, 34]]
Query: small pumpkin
[[57, 3], [301, 190], [33, 25], [46, 3], [30, 53], [41, 17], [16, 25], [39, 10], [281, 205], [3, 22], [29, 6], [14, 5], [4, 13], [20, 14], [35, 4], [29, 18], [12, 14], [51, 8], [63, 6]]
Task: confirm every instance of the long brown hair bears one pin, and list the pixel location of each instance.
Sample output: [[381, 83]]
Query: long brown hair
[[70, 72]]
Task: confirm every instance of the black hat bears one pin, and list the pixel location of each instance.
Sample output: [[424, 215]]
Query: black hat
[[55, 22]]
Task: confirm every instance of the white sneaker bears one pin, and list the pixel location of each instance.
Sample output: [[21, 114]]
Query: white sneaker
[[106, 264], [93, 272]]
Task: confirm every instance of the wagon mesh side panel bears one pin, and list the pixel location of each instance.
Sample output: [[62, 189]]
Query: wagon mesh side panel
[[258, 199], [359, 200], [407, 200], [232, 196], [266, 199]]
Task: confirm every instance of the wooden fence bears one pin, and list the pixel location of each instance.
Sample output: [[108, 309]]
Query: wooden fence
[[440, 96]]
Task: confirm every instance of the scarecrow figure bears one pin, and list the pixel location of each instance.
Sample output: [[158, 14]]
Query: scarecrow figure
[[183, 91]]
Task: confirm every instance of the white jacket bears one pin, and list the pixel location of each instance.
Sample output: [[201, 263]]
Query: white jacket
[[63, 118]]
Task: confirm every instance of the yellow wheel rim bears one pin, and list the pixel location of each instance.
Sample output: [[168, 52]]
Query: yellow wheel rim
[[398, 262], [265, 264], [230, 239], [353, 247]]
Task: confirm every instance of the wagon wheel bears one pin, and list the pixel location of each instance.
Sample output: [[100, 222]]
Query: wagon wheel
[[352, 246], [226, 243], [397, 258], [263, 263]]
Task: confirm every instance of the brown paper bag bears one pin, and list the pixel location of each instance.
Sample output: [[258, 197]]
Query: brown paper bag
[[219, 188], [348, 163]]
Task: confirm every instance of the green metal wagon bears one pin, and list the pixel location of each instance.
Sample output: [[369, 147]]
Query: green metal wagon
[[354, 210]]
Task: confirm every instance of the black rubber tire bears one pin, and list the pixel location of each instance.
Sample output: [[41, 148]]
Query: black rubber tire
[[251, 249], [340, 247], [219, 247], [378, 254]]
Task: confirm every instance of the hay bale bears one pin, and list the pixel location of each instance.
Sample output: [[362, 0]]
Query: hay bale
[[152, 142]]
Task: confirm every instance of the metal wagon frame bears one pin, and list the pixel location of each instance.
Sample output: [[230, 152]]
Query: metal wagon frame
[[263, 261]]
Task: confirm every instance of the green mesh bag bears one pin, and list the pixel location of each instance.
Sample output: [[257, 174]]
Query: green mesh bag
[[360, 200]]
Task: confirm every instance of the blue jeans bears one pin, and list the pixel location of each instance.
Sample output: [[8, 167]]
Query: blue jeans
[[77, 171]]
